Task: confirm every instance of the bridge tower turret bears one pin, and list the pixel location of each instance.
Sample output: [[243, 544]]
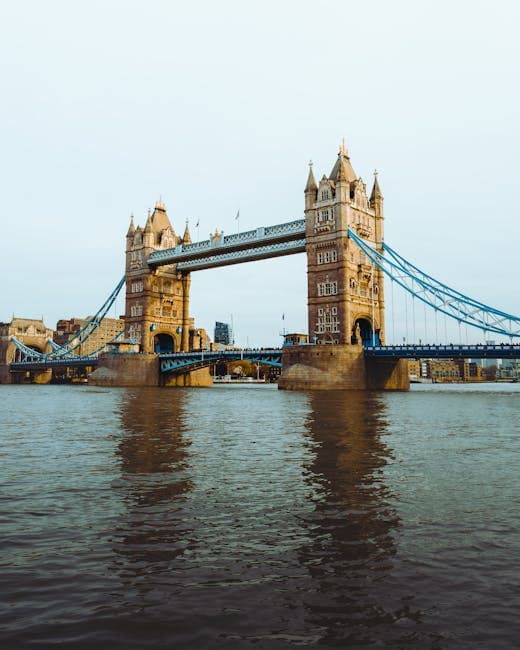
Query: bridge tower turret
[[157, 300], [345, 292]]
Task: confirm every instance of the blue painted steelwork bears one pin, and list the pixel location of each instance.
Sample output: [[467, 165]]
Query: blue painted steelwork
[[67, 351], [502, 351], [247, 255], [266, 241], [434, 293], [180, 362], [92, 324], [74, 361]]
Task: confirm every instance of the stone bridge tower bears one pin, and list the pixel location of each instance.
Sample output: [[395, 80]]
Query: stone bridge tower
[[157, 300], [345, 292]]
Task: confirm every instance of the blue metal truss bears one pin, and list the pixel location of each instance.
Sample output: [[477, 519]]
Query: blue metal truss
[[74, 361], [181, 362], [437, 295], [66, 352], [92, 324]]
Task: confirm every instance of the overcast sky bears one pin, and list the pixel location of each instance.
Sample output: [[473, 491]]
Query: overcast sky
[[218, 106]]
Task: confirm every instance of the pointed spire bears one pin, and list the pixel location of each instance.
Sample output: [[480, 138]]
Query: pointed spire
[[131, 228], [311, 182], [148, 225], [186, 238], [376, 190]]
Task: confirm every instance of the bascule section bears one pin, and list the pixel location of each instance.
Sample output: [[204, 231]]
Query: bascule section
[[157, 297]]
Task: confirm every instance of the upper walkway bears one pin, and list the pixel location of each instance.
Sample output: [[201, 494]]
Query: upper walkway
[[260, 243]]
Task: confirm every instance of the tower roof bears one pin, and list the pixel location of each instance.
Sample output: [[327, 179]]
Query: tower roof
[[311, 182], [159, 218], [342, 170]]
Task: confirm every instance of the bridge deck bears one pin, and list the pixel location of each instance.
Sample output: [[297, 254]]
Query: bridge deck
[[501, 351], [185, 361]]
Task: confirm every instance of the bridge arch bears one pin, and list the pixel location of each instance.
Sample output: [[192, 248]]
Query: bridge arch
[[164, 343], [16, 355], [363, 329]]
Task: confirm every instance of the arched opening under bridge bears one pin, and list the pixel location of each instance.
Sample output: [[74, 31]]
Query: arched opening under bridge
[[18, 355], [163, 343], [363, 329]]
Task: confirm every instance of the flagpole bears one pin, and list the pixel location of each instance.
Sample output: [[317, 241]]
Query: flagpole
[[237, 219], [197, 227]]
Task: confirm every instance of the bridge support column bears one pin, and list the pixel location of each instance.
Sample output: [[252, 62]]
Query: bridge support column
[[185, 336], [41, 376], [332, 367], [126, 370], [387, 374], [199, 378]]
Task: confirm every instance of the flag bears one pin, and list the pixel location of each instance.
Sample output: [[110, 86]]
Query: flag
[[283, 316], [197, 224], [238, 215]]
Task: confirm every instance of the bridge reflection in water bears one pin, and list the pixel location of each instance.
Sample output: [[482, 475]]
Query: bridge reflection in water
[[271, 525]]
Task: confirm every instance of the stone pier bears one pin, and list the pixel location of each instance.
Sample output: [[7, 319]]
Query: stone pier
[[142, 370], [329, 367]]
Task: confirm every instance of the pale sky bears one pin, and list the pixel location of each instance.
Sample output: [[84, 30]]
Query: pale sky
[[218, 106]]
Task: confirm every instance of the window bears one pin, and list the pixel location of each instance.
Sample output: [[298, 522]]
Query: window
[[327, 288], [327, 320], [327, 256]]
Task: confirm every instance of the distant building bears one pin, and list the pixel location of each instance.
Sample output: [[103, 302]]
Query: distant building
[[67, 333], [414, 369], [443, 370], [510, 369], [32, 333], [223, 333], [295, 339], [199, 340]]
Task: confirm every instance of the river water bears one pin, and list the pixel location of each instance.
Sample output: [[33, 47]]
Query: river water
[[247, 517]]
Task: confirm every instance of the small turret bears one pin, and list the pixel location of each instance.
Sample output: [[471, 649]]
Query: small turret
[[376, 191], [311, 182], [148, 235], [131, 228], [311, 189], [186, 238], [376, 204]]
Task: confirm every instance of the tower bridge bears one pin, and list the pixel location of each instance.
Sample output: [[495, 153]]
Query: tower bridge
[[342, 235]]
